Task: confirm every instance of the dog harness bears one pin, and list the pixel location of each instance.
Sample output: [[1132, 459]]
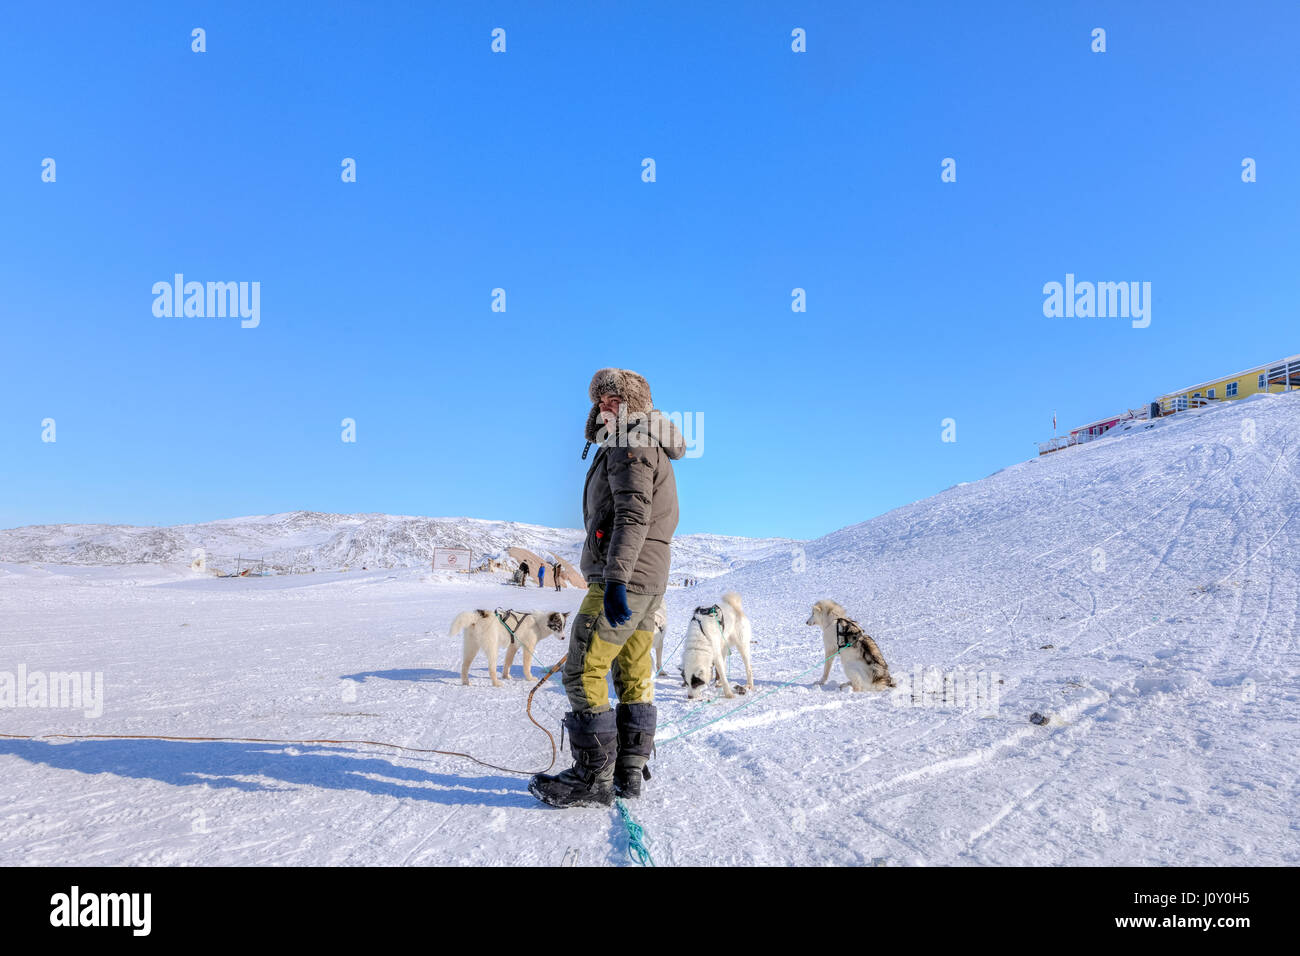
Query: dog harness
[[516, 618], [713, 611], [845, 637]]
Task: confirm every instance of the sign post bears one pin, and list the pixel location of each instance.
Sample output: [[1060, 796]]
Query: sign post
[[451, 559]]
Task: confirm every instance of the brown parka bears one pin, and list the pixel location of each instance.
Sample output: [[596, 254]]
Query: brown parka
[[629, 501]]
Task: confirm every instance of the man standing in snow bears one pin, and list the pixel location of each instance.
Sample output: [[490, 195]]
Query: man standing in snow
[[556, 574], [629, 509], [541, 576]]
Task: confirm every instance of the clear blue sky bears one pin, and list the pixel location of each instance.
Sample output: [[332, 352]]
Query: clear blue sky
[[477, 170]]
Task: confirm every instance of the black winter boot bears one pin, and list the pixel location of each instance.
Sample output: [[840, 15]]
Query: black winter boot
[[593, 738], [636, 737]]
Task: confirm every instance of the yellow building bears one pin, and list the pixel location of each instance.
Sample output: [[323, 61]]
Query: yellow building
[[1280, 376]]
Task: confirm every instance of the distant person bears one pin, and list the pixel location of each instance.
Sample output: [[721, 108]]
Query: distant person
[[524, 571], [541, 576], [556, 575]]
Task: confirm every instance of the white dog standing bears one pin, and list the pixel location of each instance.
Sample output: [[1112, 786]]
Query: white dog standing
[[711, 633], [863, 663], [486, 631], [661, 625]]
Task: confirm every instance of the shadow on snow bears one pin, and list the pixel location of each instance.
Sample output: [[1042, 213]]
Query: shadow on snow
[[220, 765]]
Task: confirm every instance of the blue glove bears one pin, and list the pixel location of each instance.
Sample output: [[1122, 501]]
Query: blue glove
[[616, 610]]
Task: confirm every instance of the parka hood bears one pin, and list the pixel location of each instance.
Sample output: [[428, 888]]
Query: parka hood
[[638, 430], [645, 424]]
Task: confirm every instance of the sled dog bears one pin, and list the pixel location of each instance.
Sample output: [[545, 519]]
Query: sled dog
[[710, 636], [863, 663], [486, 631], [661, 625]]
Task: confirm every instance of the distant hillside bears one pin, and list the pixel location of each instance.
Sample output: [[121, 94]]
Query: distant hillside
[[301, 540]]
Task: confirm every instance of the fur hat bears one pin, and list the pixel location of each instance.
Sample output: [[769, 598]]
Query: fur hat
[[626, 384], [632, 388]]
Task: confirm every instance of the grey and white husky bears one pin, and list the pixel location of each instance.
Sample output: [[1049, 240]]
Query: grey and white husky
[[861, 659]]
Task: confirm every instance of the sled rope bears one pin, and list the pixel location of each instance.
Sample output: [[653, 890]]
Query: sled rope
[[747, 703], [529, 711], [670, 654], [713, 700], [636, 849]]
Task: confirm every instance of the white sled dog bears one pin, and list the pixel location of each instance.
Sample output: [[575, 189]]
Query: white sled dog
[[710, 635], [486, 631], [864, 665], [661, 625]]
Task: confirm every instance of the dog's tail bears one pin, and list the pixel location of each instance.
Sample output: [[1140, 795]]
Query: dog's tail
[[732, 598], [463, 620]]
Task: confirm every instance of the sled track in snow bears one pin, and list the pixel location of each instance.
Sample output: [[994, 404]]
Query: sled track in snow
[[1061, 564], [1127, 529], [918, 779], [1058, 569], [1219, 581]]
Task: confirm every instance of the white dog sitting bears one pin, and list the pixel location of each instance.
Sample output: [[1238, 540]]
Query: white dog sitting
[[863, 663], [486, 631], [710, 635]]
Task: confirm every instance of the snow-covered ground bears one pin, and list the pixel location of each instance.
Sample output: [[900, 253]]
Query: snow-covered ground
[[1140, 593]]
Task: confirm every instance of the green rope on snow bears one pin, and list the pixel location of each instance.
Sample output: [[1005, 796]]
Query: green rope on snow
[[636, 849], [753, 700], [708, 703]]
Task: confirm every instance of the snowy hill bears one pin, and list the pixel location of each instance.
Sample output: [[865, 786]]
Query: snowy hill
[[308, 539], [1138, 594]]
